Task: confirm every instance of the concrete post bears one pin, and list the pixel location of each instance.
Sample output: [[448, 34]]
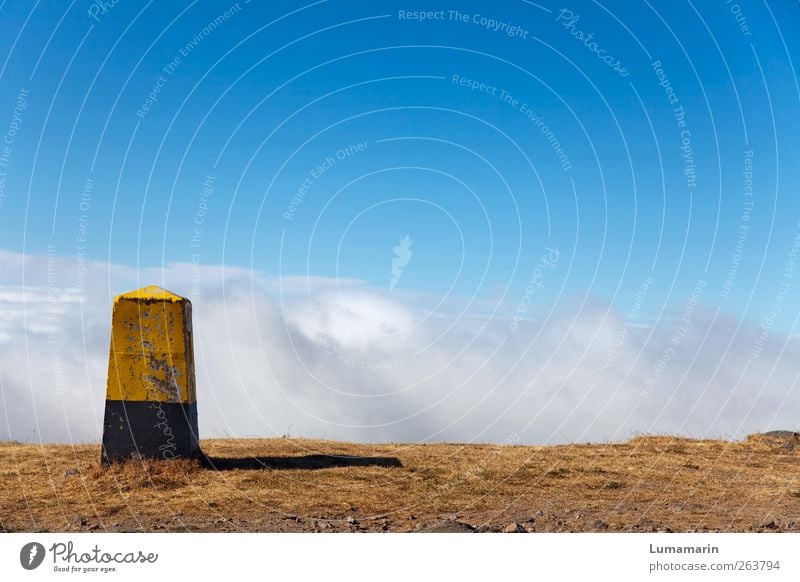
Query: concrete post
[[151, 406]]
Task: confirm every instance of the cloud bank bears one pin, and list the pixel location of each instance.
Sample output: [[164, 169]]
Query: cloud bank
[[322, 358]]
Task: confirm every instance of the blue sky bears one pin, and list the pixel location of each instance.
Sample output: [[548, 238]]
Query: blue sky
[[600, 201], [261, 95]]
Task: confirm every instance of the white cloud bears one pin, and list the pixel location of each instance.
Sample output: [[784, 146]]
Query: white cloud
[[336, 359]]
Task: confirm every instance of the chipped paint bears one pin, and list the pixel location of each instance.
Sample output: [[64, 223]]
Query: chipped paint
[[151, 355], [151, 293]]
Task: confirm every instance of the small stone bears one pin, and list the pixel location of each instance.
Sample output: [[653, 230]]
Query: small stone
[[449, 526], [646, 524], [781, 434], [514, 528], [71, 472], [599, 524]]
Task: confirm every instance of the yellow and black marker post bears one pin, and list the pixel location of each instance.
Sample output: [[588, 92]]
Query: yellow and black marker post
[[151, 406]]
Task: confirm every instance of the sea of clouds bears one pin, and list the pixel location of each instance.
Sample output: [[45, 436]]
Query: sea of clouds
[[339, 359]]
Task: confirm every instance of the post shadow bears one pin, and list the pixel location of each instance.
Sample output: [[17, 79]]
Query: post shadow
[[304, 462]]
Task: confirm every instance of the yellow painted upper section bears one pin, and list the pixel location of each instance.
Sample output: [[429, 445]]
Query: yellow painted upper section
[[151, 356], [151, 293]]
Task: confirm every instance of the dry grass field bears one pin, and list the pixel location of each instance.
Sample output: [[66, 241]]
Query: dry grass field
[[289, 485]]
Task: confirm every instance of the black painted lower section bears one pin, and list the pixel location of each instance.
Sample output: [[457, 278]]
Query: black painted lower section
[[163, 430]]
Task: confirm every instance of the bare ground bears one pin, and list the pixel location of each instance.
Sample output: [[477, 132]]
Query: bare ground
[[290, 485]]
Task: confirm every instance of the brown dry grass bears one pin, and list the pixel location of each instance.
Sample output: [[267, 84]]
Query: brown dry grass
[[646, 484]]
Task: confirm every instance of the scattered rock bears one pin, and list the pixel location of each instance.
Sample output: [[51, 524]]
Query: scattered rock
[[769, 525], [781, 434], [183, 528], [646, 524], [71, 472], [449, 526], [786, 438], [81, 521], [599, 524], [558, 473], [514, 528]]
